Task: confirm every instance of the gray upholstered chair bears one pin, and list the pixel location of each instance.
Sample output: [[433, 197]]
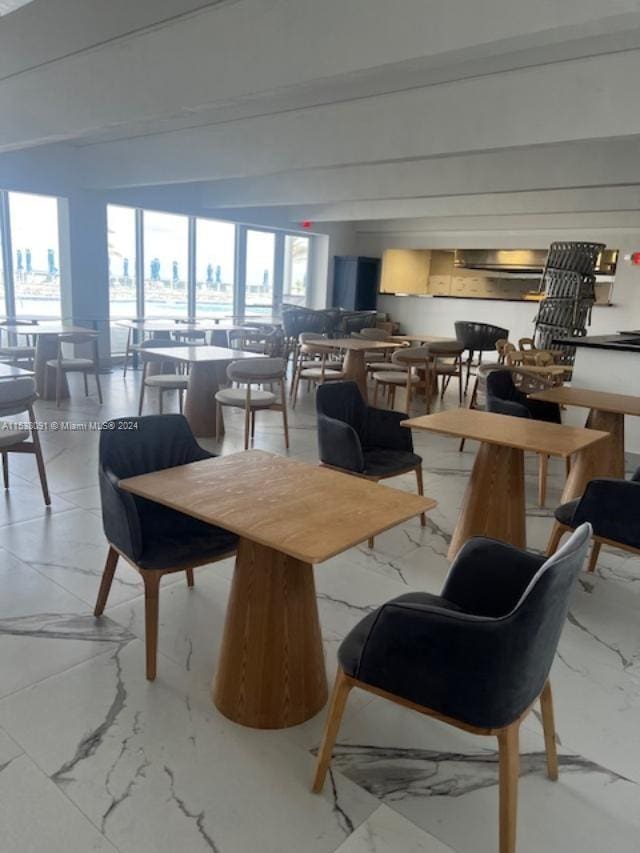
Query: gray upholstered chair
[[152, 538], [477, 656], [17, 397], [165, 378], [612, 507], [252, 372], [408, 361], [66, 363]]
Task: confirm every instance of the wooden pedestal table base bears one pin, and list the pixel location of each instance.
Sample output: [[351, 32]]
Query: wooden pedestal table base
[[494, 501], [271, 671], [493, 504], [200, 407], [354, 369], [288, 516]]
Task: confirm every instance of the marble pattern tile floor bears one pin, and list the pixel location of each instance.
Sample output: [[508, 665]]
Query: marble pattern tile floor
[[94, 758]]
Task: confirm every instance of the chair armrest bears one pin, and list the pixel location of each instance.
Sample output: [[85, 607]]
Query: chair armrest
[[382, 429], [613, 509], [507, 407], [462, 666], [120, 518], [339, 445], [487, 577]]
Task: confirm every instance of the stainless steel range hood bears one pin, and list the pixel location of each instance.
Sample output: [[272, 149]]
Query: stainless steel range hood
[[520, 261]]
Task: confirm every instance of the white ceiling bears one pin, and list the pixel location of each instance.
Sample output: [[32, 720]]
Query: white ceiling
[[7, 6]]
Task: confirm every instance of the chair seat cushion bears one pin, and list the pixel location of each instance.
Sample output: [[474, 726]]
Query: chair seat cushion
[[11, 434], [565, 512], [379, 462], [350, 650], [72, 363], [385, 365], [17, 352], [238, 397], [173, 539], [329, 365], [317, 373], [394, 377], [167, 380]]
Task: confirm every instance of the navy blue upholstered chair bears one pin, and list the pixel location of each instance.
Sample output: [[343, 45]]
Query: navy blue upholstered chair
[[359, 439], [612, 507], [504, 398], [154, 539], [477, 656]]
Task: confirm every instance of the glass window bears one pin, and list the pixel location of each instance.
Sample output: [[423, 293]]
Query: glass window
[[36, 254], [296, 269], [3, 299], [215, 267], [121, 227], [166, 264], [260, 263]]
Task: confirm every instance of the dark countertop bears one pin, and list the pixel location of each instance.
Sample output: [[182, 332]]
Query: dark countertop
[[624, 342]]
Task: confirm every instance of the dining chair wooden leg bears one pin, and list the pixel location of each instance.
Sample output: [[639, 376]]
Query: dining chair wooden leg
[[190, 578], [549, 729], [337, 704], [420, 485], [554, 540], [59, 375], [180, 400], [543, 467], [142, 386], [218, 419], [105, 583], [508, 744], [285, 422], [253, 424], [42, 473], [375, 392], [151, 611], [371, 541], [127, 350], [160, 400], [98, 386], [392, 395], [593, 557], [247, 426], [86, 383], [5, 469]]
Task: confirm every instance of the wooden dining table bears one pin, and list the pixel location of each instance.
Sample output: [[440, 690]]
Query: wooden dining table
[[289, 516], [206, 373], [46, 334], [606, 412], [354, 367], [494, 503]]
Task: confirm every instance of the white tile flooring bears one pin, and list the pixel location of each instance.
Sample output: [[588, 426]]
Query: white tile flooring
[[92, 757]]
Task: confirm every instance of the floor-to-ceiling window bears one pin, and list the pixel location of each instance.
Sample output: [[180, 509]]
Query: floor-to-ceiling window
[[260, 262], [36, 255], [296, 269], [3, 300], [121, 225], [215, 267], [166, 264]]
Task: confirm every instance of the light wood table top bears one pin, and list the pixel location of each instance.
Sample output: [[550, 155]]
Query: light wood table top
[[354, 344], [621, 404], [304, 511], [507, 431], [199, 354], [8, 371], [419, 339]]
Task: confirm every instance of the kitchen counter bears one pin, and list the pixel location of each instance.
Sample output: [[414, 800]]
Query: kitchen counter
[[627, 341], [607, 363]]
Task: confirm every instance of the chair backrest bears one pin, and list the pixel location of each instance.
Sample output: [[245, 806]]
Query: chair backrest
[[479, 337], [342, 401], [305, 337], [539, 616], [16, 395], [515, 357], [411, 355], [147, 443], [372, 334], [252, 370], [500, 384], [525, 344]]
